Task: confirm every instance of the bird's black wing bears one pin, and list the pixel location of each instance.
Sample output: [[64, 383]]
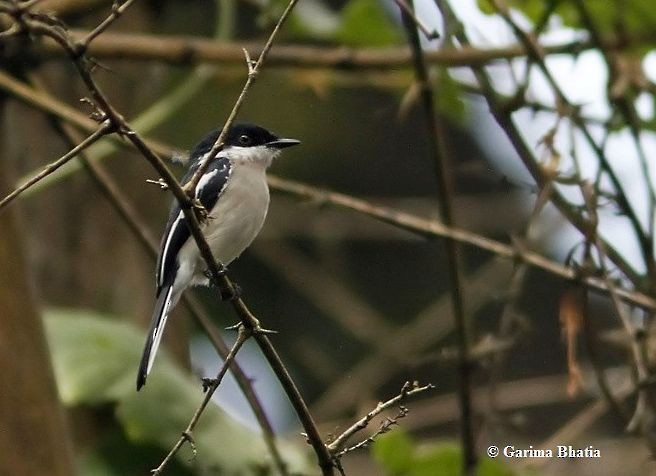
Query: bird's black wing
[[176, 234]]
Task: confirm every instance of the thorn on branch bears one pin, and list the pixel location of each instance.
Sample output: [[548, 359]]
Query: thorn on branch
[[159, 182], [97, 114], [192, 443], [250, 64]]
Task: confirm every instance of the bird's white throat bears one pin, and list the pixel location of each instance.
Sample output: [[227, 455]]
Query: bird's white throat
[[259, 155]]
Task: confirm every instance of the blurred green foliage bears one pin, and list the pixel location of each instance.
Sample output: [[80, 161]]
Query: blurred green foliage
[[634, 16], [95, 359], [399, 455], [359, 23]]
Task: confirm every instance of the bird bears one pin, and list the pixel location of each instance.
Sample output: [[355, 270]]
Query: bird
[[235, 194]]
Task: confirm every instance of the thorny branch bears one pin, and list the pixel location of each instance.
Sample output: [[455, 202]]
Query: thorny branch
[[49, 28], [408, 390], [142, 47], [117, 10], [585, 218]]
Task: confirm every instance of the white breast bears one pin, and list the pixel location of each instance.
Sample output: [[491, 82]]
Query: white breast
[[236, 219]]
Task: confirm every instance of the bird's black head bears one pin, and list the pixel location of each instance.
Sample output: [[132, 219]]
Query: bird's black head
[[250, 135], [242, 135]]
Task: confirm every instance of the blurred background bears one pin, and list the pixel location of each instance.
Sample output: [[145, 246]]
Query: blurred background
[[360, 306]]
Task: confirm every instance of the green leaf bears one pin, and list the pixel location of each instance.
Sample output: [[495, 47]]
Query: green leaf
[[394, 451], [95, 360], [365, 23], [399, 455]]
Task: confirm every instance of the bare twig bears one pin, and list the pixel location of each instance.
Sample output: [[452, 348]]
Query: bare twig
[[253, 71], [385, 426], [412, 223], [535, 52], [408, 390], [242, 336], [117, 10], [502, 112]]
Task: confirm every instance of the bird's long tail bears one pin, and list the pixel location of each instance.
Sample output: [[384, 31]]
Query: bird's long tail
[[161, 313]]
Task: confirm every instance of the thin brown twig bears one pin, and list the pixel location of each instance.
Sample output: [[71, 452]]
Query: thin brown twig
[[50, 105], [242, 336], [408, 390], [118, 9], [103, 130], [385, 426], [128, 214], [253, 71], [625, 105], [502, 113]]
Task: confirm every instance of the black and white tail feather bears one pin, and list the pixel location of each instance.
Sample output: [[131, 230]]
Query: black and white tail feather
[[160, 315], [179, 265]]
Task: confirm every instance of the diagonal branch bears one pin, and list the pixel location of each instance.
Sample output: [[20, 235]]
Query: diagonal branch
[[242, 337], [104, 129], [129, 216], [117, 10], [249, 321]]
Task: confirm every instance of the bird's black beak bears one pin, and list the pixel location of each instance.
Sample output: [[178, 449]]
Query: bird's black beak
[[282, 143]]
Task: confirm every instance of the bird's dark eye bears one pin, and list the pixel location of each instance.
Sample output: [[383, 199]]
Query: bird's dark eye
[[244, 140]]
